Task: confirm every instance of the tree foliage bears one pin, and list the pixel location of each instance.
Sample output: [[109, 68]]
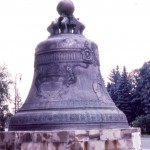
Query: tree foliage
[[120, 90], [143, 87], [5, 116], [5, 82], [143, 122], [137, 103], [125, 95], [112, 86], [131, 93]]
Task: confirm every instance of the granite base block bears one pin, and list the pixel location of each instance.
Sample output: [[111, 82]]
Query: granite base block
[[105, 139]]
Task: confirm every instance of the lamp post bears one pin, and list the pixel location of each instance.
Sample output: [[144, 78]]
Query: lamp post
[[16, 91]]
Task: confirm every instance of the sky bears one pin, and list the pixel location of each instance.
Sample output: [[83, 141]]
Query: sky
[[121, 29]]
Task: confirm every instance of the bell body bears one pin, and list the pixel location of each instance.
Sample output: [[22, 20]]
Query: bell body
[[67, 91]]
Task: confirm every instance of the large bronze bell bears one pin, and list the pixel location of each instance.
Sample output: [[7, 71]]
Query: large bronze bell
[[67, 91]]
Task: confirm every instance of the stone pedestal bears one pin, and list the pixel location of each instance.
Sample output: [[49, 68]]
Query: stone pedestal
[[106, 139]]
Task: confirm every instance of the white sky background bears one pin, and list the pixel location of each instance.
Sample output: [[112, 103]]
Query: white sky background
[[121, 28]]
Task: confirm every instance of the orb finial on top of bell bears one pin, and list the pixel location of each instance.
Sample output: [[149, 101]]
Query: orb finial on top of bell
[[66, 23]]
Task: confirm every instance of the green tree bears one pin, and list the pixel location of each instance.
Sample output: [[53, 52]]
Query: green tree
[[5, 82], [18, 101], [131, 93], [112, 85], [124, 92], [142, 92], [137, 104], [143, 122], [120, 90], [5, 116]]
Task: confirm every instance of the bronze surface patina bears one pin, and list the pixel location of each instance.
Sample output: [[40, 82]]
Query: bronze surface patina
[[67, 90]]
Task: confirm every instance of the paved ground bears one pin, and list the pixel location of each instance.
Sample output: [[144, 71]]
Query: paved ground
[[146, 142]]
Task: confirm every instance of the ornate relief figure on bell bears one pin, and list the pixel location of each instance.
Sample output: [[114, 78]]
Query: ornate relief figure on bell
[[67, 90]]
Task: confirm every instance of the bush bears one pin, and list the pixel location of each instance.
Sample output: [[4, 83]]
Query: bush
[[143, 122]]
